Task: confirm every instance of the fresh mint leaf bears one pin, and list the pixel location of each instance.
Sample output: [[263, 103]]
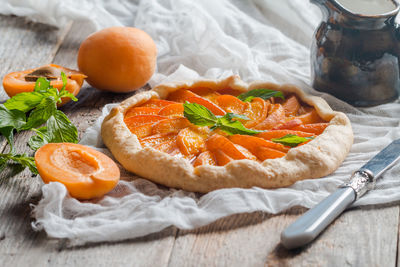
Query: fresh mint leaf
[[231, 116], [25, 161], [64, 80], [41, 85], [39, 140], [202, 116], [24, 101], [262, 93], [11, 118], [41, 113], [58, 129], [8, 133], [291, 140], [199, 114], [234, 127]]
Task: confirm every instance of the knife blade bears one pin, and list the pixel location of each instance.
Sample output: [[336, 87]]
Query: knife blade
[[313, 222]]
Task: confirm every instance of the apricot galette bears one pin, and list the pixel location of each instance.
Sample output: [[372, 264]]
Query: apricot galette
[[205, 135]]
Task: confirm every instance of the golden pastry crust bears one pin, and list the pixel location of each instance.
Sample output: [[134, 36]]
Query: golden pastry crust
[[318, 158]]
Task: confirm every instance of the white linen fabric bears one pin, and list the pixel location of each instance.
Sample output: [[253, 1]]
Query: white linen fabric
[[257, 39]]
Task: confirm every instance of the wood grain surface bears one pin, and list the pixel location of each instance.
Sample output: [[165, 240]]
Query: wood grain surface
[[360, 237]]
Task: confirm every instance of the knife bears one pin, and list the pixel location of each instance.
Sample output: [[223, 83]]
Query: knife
[[313, 222]]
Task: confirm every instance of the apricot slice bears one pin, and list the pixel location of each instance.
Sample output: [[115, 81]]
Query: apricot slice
[[205, 158], [208, 104], [221, 157], [289, 124], [310, 117], [118, 59], [219, 142], [170, 125], [142, 130], [315, 128], [231, 104], [143, 119], [275, 117], [141, 111], [180, 95], [157, 103], [252, 142], [291, 105], [172, 110], [257, 111], [24, 81], [190, 141], [264, 153], [156, 139], [167, 146], [85, 172], [268, 135], [205, 92]]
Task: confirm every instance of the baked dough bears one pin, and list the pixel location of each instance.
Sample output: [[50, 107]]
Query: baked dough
[[318, 158]]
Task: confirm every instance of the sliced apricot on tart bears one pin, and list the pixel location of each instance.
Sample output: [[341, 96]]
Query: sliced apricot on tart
[[214, 128]]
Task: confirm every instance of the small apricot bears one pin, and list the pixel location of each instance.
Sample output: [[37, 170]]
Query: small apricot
[[24, 81], [85, 172], [118, 59]]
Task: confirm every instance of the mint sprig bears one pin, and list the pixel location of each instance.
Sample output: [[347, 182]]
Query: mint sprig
[[41, 108], [291, 140], [202, 116], [262, 93]]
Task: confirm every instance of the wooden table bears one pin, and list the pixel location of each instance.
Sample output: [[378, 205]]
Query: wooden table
[[360, 237]]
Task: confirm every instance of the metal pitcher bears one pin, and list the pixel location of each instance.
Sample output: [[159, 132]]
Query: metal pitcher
[[355, 51]]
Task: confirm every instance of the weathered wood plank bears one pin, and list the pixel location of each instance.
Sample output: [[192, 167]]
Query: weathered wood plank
[[20, 245], [360, 237]]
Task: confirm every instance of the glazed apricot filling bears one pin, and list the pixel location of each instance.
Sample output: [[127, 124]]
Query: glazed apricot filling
[[274, 125]]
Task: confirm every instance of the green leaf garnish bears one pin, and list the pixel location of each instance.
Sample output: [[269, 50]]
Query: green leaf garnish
[[262, 93], [202, 116], [41, 85], [11, 118], [42, 105], [291, 140]]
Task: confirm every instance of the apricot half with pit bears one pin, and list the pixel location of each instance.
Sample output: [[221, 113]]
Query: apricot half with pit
[[85, 172]]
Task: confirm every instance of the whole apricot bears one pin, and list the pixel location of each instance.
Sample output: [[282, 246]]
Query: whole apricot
[[118, 59]]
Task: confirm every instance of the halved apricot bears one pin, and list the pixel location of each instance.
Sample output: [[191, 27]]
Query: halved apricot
[[172, 110], [141, 111], [315, 128], [190, 141], [24, 81], [229, 103], [85, 172], [205, 158]]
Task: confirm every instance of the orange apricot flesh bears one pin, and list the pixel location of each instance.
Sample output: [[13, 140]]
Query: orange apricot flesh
[[85, 172], [18, 82]]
